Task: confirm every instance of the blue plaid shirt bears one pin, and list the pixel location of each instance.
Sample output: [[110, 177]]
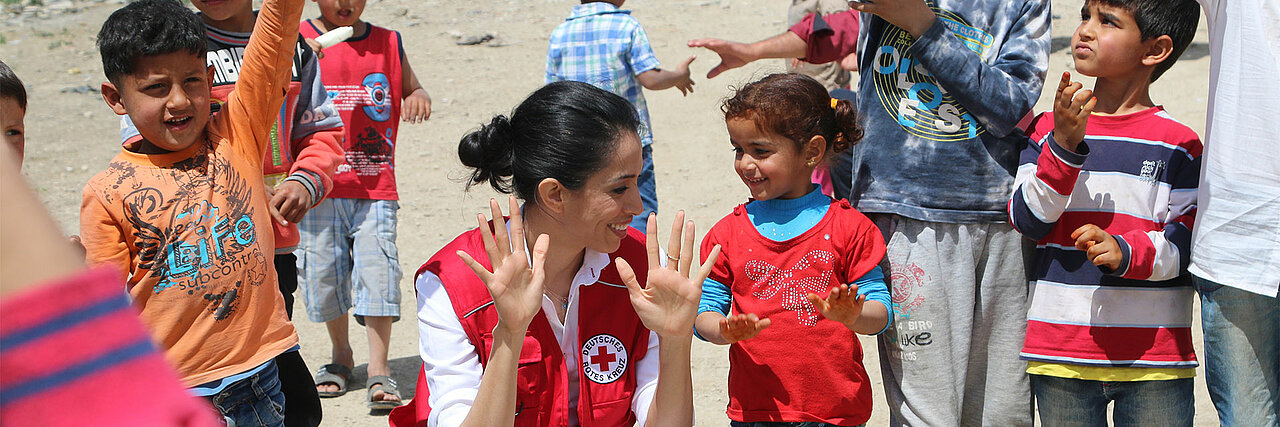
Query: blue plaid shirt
[[604, 46]]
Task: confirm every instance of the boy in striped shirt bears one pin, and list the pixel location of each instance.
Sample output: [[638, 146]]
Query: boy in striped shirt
[[1108, 189]]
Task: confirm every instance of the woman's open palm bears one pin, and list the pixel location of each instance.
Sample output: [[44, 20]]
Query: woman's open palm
[[668, 303], [516, 286]]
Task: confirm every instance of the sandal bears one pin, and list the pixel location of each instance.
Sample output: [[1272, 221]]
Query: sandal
[[388, 386], [335, 374]]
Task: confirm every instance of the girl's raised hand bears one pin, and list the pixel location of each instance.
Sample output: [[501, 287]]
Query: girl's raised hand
[[668, 304], [842, 304], [515, 286], [740, 327]]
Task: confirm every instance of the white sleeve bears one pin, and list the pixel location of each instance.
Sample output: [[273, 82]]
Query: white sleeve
[[451, 365], [646, 381]]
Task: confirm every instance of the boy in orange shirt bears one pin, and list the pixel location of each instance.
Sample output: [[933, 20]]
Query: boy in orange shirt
[[183, 212]]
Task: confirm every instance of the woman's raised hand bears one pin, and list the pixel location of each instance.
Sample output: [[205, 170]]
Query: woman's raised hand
[[515, 286], [668, 304]]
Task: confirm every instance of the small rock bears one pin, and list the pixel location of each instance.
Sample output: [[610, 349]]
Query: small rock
[[73, 70], [80, 89], [473, 39], [70, 169]]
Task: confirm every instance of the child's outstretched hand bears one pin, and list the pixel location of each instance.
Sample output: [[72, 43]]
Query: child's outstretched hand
[[1071, 111], [683, 82], [732, 54], [842, 304], [516, 286], [739, 327], [416, 108], [1101, 247], [668, 303]]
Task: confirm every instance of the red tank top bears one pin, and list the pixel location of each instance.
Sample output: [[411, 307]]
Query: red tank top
[[611, 337], [363, 78]]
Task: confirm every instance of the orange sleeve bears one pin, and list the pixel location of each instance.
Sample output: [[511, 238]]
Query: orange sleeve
[[264, 76], [104, 240]]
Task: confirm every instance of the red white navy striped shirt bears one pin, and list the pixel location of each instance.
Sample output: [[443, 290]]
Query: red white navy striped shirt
[[1135, 176]]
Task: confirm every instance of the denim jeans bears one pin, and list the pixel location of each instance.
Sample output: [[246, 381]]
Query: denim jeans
[[782, 424], [1241, 354], [1083, 403], [253, 401], [648, 191]]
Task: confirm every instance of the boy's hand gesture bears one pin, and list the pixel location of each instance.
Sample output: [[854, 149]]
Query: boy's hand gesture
[[516, 286], [842, 304], [668, 303], [1100, 246], [416, 108], [1071, 110], [683, 82], [739, 327]]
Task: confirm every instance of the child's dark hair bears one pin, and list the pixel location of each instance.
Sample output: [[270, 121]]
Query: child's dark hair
[[565, 130], [1175, 18], [147, 28], [796, 107], [11, 86]]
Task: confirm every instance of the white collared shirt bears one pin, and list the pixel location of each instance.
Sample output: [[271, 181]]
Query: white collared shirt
[[453, 369]]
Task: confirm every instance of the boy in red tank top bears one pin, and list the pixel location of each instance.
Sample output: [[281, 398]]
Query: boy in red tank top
[[348, 256]]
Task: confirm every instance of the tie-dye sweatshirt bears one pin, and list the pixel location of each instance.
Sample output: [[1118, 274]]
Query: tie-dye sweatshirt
[[940, 112]]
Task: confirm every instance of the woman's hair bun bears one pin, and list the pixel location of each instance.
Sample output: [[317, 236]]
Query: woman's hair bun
[[489, 152]]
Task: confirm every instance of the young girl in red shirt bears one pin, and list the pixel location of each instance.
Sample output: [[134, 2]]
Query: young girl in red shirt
[[797, 278]]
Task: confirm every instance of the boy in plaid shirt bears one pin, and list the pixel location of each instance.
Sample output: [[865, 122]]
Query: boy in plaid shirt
[[603, 45]]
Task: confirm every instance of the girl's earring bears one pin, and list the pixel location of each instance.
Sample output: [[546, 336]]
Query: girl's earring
[[811, 163]]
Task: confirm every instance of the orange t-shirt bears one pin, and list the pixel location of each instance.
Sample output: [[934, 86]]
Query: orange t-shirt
[[192, 230]]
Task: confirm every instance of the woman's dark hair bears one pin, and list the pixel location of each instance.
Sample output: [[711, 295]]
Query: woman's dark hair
[[11, 86], [565, 130], [796, 107], [147, 28]]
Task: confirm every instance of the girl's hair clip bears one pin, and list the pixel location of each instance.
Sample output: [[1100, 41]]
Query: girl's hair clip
[[834, 101]]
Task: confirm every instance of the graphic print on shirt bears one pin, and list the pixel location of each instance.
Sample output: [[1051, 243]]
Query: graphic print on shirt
[[910, 93], [190, 245], [372, 149], [379, 91], [604, 359], [812, 274]]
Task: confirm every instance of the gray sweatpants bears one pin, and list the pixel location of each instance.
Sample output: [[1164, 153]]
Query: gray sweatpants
[[960, 314]]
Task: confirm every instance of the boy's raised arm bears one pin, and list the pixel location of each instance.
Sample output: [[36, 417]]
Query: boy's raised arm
[[264, 74]]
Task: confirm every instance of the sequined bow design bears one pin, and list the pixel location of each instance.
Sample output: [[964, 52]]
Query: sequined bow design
[[812, 274]]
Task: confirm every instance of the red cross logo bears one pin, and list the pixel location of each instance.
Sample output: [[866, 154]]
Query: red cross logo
[[603, 358]]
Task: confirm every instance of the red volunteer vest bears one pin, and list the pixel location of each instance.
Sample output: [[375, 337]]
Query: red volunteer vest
[[363, 77], [611, 340], [803, 368]]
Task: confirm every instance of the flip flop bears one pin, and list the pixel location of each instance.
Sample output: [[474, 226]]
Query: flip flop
[[335, 374], [388, 386]]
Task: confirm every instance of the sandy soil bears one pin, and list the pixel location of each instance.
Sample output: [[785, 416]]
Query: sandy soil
[[72, 135]]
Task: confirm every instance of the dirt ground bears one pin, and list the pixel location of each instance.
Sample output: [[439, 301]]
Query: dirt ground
[[71, 134]]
